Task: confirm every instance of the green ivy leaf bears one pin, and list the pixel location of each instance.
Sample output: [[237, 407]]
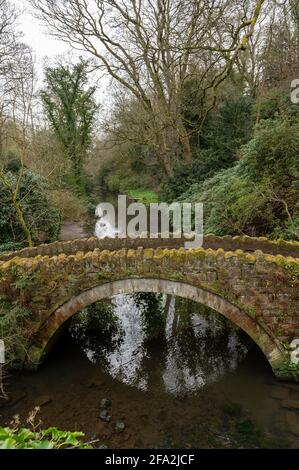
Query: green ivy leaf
[[8, 444]]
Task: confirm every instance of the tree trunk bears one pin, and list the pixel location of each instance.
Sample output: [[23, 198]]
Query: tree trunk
[[186, 149], [23, 224]]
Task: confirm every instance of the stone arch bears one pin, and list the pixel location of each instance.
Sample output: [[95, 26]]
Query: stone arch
[[44, 338]]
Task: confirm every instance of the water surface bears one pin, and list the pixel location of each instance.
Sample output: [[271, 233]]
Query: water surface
[[187, 379]]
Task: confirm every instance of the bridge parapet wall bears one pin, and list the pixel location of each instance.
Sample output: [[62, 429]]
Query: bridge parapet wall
[[227, 243]]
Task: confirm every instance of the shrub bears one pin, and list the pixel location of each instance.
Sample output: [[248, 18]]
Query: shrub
[[41, 216], [17, 437], [71, 206], [259, 195], [205, 164], [15, 330], [51, 438]]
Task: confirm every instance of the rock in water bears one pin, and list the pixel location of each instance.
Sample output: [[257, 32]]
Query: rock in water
[[104, 416], [120, 426], [105, 403]]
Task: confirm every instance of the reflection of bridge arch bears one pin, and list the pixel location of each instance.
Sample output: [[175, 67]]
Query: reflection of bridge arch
[[48, 332]]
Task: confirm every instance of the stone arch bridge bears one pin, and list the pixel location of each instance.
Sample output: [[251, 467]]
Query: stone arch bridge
[[251, 281]]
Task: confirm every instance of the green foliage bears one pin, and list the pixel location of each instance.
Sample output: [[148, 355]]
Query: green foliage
[[204, 165], [143, 195], [10, 246], [259, 195], [287, 230], [224, 197], [288, 369], [97, 325], [51, 438], [152, 312], [229, 127], [274, 104], [42, 218], [127, 174], [215, 147], [70, 107], [273, 153], [245, 165], [118, 183], [15, 330]]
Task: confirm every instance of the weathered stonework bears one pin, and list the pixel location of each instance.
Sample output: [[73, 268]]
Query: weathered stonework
[[227, 243], [258, 291]]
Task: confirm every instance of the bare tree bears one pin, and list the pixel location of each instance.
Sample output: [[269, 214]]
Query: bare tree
[[281, 51], [18, 84], [8, 35], [270, 194], [8, 49], [151, 47]]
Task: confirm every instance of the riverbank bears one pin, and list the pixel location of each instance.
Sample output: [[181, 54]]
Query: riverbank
[[69, 390]]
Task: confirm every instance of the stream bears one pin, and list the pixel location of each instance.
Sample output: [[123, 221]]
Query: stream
[[152, 371]]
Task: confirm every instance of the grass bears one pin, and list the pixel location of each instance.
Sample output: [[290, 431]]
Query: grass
[[146, 196]]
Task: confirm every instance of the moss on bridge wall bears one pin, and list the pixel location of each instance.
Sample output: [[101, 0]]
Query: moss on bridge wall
[[264, 286], [245, 243]]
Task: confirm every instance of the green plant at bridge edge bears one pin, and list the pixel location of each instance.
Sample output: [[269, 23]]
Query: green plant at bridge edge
[[287, 369], [51, 438]]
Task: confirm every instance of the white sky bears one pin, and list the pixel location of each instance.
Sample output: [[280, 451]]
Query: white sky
[[35, 35], [45, 46], [46, 49]]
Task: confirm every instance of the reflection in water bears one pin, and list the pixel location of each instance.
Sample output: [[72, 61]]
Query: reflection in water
[[125, 362], [196, 346], [175, 373]]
